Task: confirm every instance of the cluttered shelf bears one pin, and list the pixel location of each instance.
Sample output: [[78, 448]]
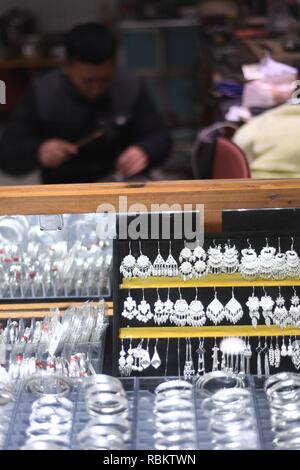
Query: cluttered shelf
[[40, 309]]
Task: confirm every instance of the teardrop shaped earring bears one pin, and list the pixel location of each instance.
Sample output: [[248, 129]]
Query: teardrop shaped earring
[[233, 309], [215, 310], [155, 361]]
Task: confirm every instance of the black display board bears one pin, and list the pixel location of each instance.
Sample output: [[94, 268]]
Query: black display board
[[176, 349]]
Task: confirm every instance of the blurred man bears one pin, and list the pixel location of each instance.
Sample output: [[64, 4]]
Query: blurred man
[[87, 120]]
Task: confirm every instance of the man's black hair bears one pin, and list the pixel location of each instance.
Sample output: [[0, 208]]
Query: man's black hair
[[91, 43]]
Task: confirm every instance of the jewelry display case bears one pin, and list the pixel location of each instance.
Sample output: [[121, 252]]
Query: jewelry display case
[[187, 343]]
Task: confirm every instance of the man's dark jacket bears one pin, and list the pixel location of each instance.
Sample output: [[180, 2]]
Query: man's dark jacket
[[52, 108]]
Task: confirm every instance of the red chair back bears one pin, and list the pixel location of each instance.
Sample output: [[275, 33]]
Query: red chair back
[[229, 161]]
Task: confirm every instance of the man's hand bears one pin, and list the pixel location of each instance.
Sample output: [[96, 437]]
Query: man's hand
[[132, 161], [54, 152]]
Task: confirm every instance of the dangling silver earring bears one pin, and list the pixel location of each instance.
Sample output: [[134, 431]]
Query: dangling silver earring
[[145, 359], [292, 262], [159, 310], [122, 360], [188, 370], [196, 313], [280, 313], [215, 259], [250, 266], [200, 267], [267, 303], [159, 264], [233, 310], [280, 271], [155, 361], [171, 266], [215, 310], [129, 310], [128, 264], [215, 363], [253, 305], [267, 261], [186, 267], [201, 358], [231, 259], [144, 310], [143, 266], [181, 309], [294, 312], [168, 310]]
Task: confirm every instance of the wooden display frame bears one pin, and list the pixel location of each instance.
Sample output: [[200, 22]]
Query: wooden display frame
[[216, 195]]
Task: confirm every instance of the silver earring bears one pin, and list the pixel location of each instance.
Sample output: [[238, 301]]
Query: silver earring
[[280, 313], [271, 354], [259, 351], [201, 358], [168, 310], [215, 259], [294, 312], [215, 362], [233, 310], [267, 261], [290, 348], [171, 266], [159, 310], [143, 266], [249, 267], [129, 310], [253, 305], [280, 271], [215, 310], [128, 264], [283, 350], [292, 262], [296, 354], [231, 259], [145, 359], [144, 310], [188, 370], [129, 360], [196, 313], [155, 361], [181, 309], [159, 264], [185, 260], [200, 267], [266, 359], [277, 354], [122, 360], [267, 303]]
